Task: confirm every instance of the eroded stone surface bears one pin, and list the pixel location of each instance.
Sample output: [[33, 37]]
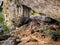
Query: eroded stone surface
[[16, 10], [50, 8], [33, 34]]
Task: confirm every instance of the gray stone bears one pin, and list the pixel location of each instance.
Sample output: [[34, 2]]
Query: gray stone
[[9, 41], [1, 28], [16, 10]]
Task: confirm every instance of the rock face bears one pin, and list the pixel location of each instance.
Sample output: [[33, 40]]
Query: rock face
[[41, 30], [50, 8], [15, 11], [37, 33], [9, 41]]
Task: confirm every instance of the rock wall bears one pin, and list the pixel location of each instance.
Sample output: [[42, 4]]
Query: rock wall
[[15, 11], [50, 8]]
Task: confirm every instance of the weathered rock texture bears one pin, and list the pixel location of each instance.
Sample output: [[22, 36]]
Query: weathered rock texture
[[50, 8], [16, 10], [36, 32], [33, 33]]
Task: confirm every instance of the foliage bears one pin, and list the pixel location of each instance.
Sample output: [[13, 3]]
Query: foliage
[[35, 14], [1, 8], [3, 23], [1, 18], [5, 27], [50, 33]]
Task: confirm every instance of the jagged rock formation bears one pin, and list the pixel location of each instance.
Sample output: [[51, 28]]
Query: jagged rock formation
[[16, 10], [41, 30], [9, 41], [50, 8], [37, 33]]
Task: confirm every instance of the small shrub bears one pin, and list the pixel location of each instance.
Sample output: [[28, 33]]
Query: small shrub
[[6, 29], [50, 33], [3, 23], [1, 18], [1, 8]]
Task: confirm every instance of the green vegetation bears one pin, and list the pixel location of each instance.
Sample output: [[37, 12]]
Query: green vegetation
[[35, 14], [2, 22], [50, 33], [3, 36], [5, 27], [1, 8], [1, 18]]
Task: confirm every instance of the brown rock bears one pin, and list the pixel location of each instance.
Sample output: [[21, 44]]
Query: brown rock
[[37, 37], [15, 10], [50, 8]]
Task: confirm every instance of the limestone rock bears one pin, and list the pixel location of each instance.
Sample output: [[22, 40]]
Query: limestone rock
[[9, 41], [32, 34], [16, 10], [50, 8]]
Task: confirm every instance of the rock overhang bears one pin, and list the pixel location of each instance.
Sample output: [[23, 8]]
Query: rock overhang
[[50, 8]]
